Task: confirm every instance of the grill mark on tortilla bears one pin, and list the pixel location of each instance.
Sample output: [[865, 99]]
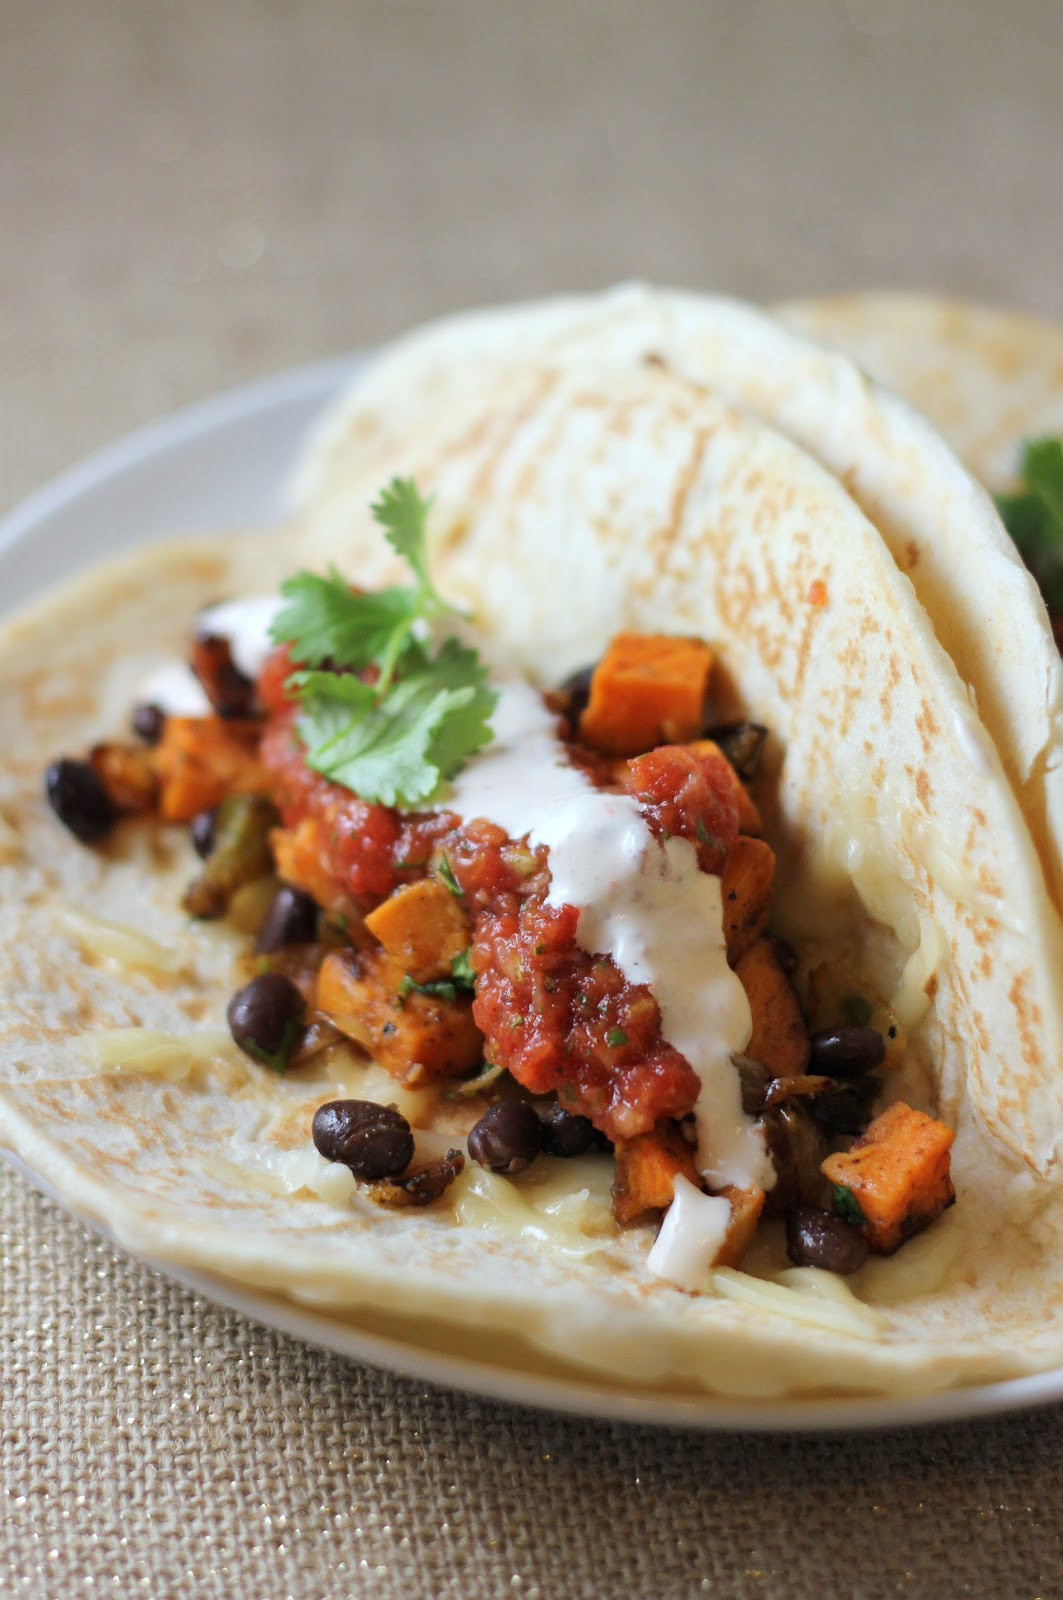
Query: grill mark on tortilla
[[545, 384], [664, 538]]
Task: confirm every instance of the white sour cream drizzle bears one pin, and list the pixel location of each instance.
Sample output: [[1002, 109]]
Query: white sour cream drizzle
[[174, 687], [645, 904], [694, 1228]]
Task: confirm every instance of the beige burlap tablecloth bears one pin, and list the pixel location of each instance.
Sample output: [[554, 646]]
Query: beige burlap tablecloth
[[193, 194]]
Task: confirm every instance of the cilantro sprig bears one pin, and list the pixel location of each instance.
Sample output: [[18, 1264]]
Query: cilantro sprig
[[1034, 517], [379, 712]]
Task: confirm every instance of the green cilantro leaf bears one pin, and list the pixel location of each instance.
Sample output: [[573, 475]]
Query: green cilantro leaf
[[403, 514], [396, 739], [386, 752], [462, 968], [615, 1038], [1033, 517], [446, 872], [437, 989], [325, 620], [846, 1205]]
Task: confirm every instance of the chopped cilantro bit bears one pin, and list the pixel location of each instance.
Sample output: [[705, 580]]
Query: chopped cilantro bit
[[846, 1205], [516, 1022], [462, 969], [855, 1010], [396, 739], [1033, 517], [437, 989], [446, 872], [616, 1037]]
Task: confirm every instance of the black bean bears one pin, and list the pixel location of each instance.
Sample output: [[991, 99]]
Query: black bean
[[202, 829], [148, 722], [79, 799], [817, 1238], [374, 1141], [266, 1019], [846, 1052], [577, 686], [565, 1134], [507, 1138], [743, 745], [291, 919]]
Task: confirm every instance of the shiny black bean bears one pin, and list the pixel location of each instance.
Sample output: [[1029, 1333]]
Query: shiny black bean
[[266, 1019], [743, 745], [846, 1109], [577, 686], [565, 1134], [202, 828], [846, 1052], [148, 722], [291, 919], [817, 1238], [79, 799], [507, 1138], [374, 1141]]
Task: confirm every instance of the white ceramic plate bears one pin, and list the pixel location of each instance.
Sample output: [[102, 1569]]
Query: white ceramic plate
[[227, 462]]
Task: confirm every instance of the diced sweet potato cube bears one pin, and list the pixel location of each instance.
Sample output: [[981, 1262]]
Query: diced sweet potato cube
[[746, 1207], [748, 874], [300, 859], [423, 927], [648, 689], [749, 819], [199, 760], [898, 1174], [415, 1037], [647, 1166], [779, 1038]]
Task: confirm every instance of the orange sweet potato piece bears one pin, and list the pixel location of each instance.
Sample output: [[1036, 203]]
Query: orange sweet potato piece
[[199, 760], [779, 1038], [746, 1206], [415, 1037], [423, 927], [898, 1173], [300, 860], [747, 878], [648, 689], [647, 1166], [749, 819]]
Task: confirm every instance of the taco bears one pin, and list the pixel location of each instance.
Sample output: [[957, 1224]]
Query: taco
[[493, 795]]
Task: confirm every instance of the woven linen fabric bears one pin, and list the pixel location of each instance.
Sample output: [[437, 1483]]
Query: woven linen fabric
[[194, 194], [161, 1447]]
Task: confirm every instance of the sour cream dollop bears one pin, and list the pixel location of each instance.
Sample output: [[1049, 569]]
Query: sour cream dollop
[[644, 903], [246, 624]]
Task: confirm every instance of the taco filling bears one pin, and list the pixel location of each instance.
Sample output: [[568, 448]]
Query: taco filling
[[555, 908]]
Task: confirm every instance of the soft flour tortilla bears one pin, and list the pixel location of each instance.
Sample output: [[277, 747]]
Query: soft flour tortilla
[[583, 504], [937, 521]]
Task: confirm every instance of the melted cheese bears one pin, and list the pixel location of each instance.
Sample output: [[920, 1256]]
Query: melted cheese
[[116, 942]]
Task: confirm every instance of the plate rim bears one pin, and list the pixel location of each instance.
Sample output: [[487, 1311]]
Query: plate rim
[[242, 404]]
